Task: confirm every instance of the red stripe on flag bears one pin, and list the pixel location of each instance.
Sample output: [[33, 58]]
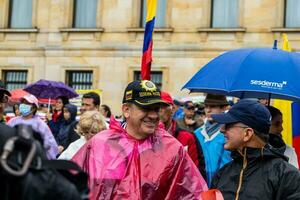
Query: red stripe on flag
[[146, 63], [296, 145]]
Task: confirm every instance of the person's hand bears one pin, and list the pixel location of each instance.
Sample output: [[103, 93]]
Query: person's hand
[[60, 149]]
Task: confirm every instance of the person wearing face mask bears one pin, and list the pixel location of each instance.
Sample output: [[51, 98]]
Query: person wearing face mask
[[210, 138], [28, 109]]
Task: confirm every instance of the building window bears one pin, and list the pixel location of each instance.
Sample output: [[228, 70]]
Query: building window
[[80, 80], [14, 79], [292, 14], [156, 77], [20, 14], [85, 13], [160, 17], [224, 14]]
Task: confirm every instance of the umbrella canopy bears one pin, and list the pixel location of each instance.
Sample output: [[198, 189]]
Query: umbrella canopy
[[50, 89], [251, 73], [17, 94]]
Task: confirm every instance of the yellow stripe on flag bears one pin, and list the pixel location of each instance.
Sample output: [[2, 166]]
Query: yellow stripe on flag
[[286, 106], [151, 10]]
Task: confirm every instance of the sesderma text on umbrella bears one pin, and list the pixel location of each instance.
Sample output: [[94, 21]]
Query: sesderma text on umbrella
[[269, 84]]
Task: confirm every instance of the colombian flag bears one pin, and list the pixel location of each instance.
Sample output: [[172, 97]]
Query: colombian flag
[[291, 115], [296, 128], [148, 42]]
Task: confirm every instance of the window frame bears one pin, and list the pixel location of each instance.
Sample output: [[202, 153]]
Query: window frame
[[285, 16], [4, 77], [167, 15], [161, 68], [240, 2], [137, 73], [71, 83], [8, 17], [73, 11]]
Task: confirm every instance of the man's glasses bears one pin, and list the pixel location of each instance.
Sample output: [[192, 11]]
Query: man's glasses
[[190, 108], [232, 125]]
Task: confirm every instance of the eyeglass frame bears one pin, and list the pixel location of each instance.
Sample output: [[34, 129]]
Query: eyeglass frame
[[231, 125]]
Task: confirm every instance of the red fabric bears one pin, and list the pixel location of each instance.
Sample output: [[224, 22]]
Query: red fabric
[[56, 115], [186, 139], [146, 63], [296, 145], [17, 94], [212, 194], [121, 167], [166, 97]]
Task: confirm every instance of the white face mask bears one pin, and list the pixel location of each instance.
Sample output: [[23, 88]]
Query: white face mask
[[25, 109]]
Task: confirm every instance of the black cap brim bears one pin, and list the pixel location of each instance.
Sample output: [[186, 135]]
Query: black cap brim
[[5, 91], [149, 102], [224, 118]]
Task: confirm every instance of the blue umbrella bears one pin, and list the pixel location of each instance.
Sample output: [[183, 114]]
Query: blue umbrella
[[251, 73], [50, 89]]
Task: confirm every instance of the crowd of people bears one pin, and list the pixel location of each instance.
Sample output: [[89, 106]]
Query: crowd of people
[[167, 149]]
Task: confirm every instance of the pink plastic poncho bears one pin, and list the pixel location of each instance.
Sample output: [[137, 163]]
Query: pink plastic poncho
[[121, 167]]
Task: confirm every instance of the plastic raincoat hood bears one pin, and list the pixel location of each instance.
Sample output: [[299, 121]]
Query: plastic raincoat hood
[[121, 167]]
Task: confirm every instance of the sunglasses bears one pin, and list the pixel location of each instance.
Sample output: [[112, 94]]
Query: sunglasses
[[190, 108]]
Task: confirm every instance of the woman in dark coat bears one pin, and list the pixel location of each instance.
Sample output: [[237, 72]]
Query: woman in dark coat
[[67, 134], [56, 119]]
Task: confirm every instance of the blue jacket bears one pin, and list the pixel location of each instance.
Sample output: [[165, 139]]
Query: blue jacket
[[214, 153]]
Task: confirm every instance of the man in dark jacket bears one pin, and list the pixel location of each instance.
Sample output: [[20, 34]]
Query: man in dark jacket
[[186, 138], [258, 171]]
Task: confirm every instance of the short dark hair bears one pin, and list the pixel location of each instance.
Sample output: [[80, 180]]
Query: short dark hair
[[274, 111], [107, 109], [186, 104], [94, 96]]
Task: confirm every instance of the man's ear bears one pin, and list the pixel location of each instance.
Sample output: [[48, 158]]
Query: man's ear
[[126, 110], [248, 134]]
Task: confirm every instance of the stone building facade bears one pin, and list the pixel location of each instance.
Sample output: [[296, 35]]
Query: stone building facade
[[48, 40]]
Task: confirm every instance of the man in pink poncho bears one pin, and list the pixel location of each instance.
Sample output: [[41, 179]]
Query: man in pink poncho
[[137, 160]]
